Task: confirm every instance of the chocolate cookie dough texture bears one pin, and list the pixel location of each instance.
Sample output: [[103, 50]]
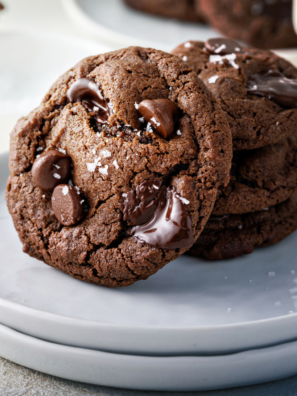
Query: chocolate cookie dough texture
[[256, 88], [116, 173], [260, 178], [260, 23], [186, 10], [230, 236]]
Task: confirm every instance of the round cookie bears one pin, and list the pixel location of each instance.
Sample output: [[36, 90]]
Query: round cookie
[[145, 198], [230, 236], [233, 74], [260, 178], [184, 10], [260, 23]]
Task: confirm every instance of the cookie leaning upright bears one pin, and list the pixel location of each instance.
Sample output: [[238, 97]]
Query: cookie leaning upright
[[148, 147], [256, 88]]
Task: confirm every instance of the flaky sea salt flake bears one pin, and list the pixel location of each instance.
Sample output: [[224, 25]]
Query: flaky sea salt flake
[[104, 170], [65, 190], [115, 164], [213, 79], [91, 167]]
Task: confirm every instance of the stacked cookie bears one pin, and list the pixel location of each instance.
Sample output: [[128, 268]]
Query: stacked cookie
[[260, 23], [258, 92]]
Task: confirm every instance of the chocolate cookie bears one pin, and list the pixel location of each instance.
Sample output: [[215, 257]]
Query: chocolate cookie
[[184, 10], [230, 236], [256, 88], [260, 23], [260, 178], [148, 147]]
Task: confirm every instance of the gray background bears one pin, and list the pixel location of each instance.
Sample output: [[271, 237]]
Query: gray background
[[19, 381]]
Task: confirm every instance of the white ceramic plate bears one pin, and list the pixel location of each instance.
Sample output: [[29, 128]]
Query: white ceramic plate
[[31, 61], [189, 307], [120, 26], [181, 373]]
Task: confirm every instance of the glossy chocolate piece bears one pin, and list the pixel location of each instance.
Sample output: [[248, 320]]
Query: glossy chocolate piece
[[223, 46], [89, 94], [50, 169], [161, 216], [67, 204], [162, 114], [140, 204], [275, 86]]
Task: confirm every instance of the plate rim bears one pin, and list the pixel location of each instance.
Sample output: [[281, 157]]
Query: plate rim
[[149, 372]]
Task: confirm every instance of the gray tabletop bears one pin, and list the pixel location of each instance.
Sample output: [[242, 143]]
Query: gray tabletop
[[20, 381]]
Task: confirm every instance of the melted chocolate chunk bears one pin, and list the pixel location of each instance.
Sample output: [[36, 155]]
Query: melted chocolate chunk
[[223, 46], [277, 9], [162, 114], [275, 86], [89, 94], [140, 204], [67, 204], [161, 217], [50, 169]]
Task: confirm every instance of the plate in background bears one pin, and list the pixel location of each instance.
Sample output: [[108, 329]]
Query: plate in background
[[120, 26], [189, 307], [115, 23], [33, 61]]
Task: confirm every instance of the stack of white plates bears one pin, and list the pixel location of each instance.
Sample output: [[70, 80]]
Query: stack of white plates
[[194, 325]]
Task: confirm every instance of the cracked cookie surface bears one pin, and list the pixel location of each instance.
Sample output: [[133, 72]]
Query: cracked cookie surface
[[111, 159], [255, 121], [230, 236]]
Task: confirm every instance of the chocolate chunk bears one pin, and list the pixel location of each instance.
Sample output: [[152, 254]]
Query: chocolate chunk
[[50, 169], [161, 114], [140, 204], [1, 7], [67, 204], [89, 94], [275, 86], [223, 46], [170, 227], [160, 216]]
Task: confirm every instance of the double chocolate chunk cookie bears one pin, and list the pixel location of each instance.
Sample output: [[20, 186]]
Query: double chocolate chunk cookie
[[260, 178], [230, 236], [256, 88], [186, 10], [260, 23], [116, 173]]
